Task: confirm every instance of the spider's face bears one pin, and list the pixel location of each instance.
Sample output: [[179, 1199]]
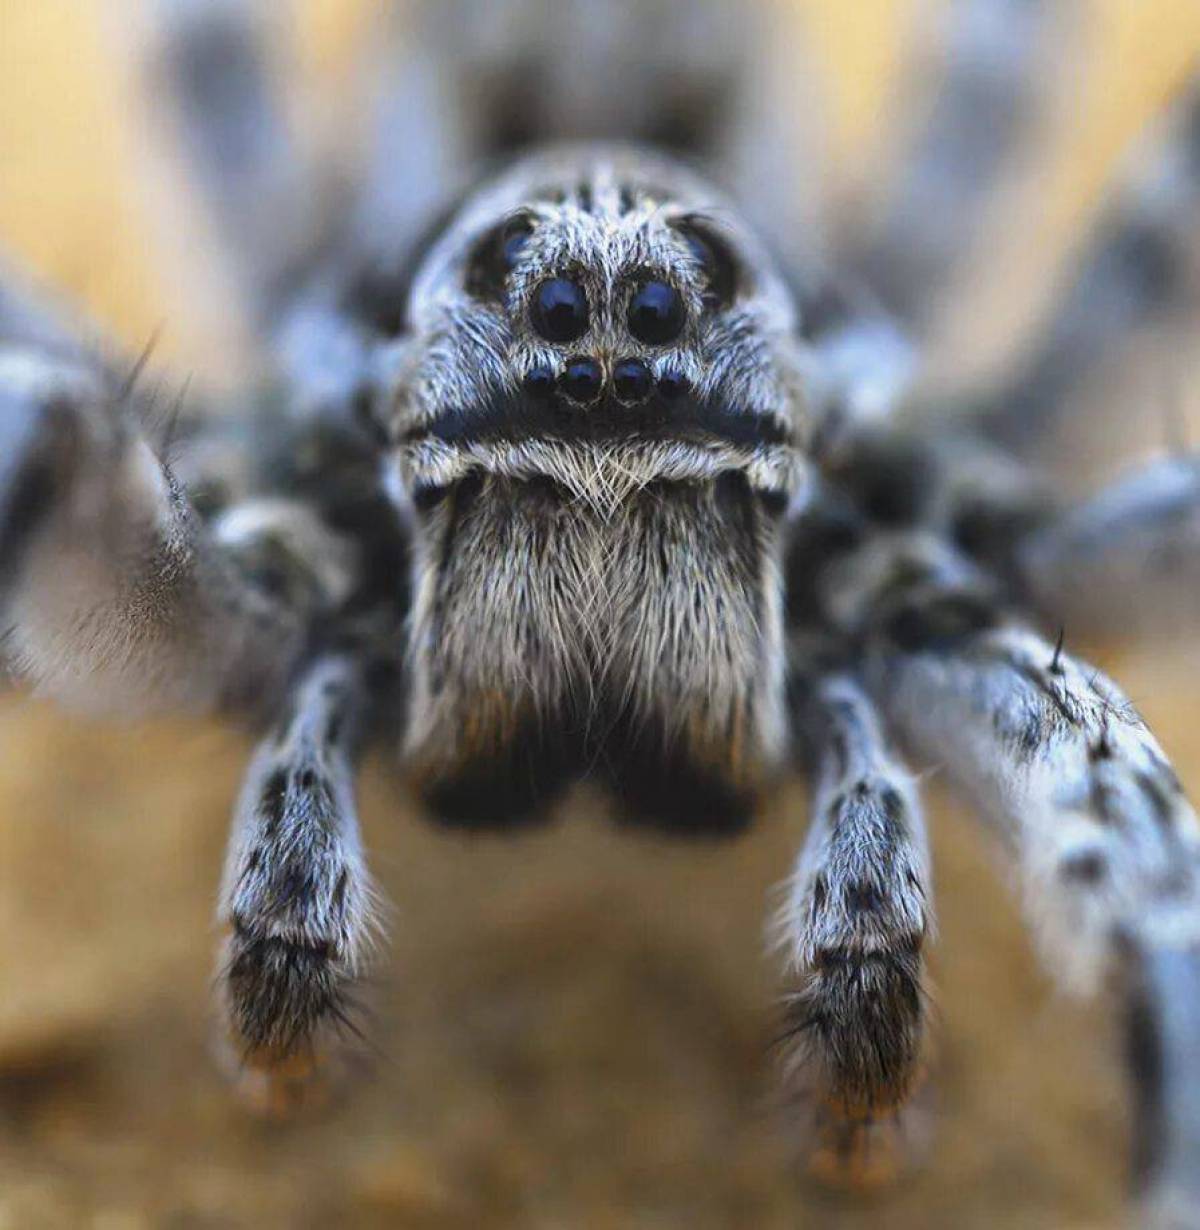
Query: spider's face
[[603, 302], [597, 418]]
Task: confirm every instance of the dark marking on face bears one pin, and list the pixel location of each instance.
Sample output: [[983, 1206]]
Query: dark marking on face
[[516, 418]]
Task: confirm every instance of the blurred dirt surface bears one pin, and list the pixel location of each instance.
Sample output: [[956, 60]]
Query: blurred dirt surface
[[567, 1029]]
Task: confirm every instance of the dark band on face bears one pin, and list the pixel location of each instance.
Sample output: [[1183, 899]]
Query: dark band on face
[[519, 416]]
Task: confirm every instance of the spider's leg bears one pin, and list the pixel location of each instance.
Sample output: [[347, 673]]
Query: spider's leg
[[212, 64], [984, 73], [296, 901], [1125, 562], [114, 593], [1137, 266], [854, 924], [1107, 846]]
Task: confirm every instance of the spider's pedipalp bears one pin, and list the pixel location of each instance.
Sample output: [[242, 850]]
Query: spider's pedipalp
[[1107, 846], [296, 900], [1125, 562], [853, 927]]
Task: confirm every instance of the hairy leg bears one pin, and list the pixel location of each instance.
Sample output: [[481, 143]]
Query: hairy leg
[[115, 596], [296, 901], [854, 926], [1107, 846]]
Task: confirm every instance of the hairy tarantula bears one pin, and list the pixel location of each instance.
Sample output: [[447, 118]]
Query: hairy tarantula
[[583, 470]]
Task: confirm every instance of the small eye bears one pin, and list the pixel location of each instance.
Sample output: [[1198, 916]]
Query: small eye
[[672, 385], [631, 380], [513, 239], [494, 256], [560, 310], [656, 314], [539, 382], [582, 379], [715, 257]]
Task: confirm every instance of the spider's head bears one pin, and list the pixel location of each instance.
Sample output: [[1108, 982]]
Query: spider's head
[[598, 298], [596, 419]]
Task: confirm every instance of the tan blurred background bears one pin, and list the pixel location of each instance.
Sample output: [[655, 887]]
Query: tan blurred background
[[570, 1026]]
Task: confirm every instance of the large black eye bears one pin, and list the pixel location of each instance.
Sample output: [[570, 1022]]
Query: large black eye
[[656, 314], [560, 310]]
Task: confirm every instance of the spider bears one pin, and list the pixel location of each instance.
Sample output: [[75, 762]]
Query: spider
[[588, 469]]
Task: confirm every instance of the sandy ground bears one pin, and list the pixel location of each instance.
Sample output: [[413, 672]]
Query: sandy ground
[[570, 1026]]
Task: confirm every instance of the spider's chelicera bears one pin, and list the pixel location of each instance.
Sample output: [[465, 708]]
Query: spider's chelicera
[[606, 476]]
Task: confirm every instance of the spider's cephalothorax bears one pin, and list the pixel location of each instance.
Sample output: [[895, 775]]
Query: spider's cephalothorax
[[598, 417], [580, 483]]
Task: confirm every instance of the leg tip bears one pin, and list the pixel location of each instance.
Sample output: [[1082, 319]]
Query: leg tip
[[279, 1086], [865, 1152]]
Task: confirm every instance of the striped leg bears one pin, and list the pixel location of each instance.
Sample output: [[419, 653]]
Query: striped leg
[[296, 901], [114, 595], [1107, 846], [854, 927]]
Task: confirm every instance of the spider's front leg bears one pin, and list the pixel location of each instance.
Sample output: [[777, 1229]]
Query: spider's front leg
[[115, 596], [296, 902], [1107, 845], [854, 925]]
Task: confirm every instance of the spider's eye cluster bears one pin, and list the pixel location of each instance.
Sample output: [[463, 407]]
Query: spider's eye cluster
[[656, 313], [560, 310]]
